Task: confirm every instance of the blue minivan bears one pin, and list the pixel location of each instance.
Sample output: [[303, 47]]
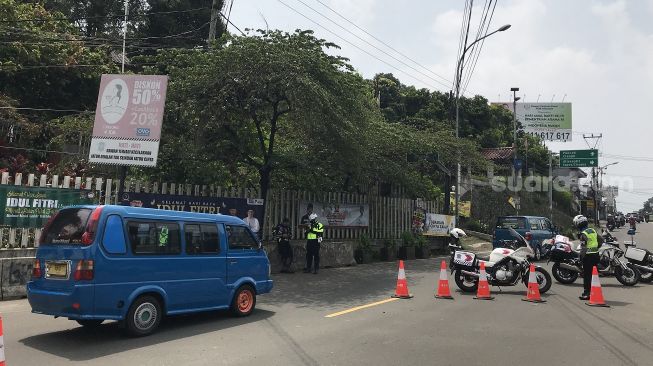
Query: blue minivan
[[535, 229], [135, 265]]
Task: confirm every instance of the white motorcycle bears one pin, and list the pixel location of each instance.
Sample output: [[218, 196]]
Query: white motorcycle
[[506, 267]]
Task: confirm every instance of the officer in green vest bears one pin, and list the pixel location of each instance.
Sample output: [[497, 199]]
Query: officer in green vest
[[313, 240], [589, 252]]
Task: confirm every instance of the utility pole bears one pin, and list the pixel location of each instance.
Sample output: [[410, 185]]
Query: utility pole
[[214, 21], [123, 169], [551, 185]]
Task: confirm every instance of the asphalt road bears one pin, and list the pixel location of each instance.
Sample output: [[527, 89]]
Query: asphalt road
[[290, 327]]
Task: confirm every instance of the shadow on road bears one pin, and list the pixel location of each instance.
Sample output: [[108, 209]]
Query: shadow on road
[[79, 344], [335, 288]]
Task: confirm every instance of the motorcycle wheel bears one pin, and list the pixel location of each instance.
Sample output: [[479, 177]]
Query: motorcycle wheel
[[646, 277], [630, 277], [562, 275], [543, 279], [465, 283]]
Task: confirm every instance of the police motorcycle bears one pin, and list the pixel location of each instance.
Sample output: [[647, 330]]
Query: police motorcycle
[[567, 266], [506, 267], [611, 223], [641, 259]]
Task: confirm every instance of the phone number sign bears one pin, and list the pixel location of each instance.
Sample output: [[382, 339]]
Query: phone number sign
[[128, 119]]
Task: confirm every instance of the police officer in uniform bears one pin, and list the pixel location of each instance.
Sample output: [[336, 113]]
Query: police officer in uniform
[[282, 233], [313, 240], [589, 252]]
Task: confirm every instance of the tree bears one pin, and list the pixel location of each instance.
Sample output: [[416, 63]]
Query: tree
[[269, 94]]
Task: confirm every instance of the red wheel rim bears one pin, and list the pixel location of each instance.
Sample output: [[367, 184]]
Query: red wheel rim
[[245, 301]]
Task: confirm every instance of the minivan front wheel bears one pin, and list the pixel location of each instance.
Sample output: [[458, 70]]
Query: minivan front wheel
[[244, 301], [144, 316]]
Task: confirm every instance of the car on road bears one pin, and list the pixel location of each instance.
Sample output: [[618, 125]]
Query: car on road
[[535, 229], [135, 265]]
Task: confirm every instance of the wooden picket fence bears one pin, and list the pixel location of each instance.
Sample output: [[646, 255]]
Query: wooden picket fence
[[388, 216]]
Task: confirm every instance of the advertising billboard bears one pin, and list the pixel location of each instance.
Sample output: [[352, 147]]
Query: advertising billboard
[[438, 225], [128, 118], [548, 121]]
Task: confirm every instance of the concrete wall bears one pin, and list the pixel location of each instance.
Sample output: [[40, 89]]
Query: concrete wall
[[332, 254], [15, 271]]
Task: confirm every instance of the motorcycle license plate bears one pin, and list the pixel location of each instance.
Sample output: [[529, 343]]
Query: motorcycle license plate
[[464, 258]]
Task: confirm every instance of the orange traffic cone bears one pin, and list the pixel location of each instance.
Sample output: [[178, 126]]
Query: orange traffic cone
[[443, 284], [483, 292], [596, 294], [533, 292], [2, 346], [402, 286]]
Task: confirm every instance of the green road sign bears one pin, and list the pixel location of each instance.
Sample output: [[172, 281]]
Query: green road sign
[[579, 158]]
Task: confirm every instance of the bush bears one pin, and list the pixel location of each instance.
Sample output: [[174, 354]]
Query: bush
[[407, 239], [364, 243]]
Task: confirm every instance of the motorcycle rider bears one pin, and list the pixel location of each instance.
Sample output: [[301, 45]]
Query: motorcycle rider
[[589, 252], [611, 222]]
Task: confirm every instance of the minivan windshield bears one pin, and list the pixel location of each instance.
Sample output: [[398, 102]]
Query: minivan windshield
[[67, 227], [513, 222]]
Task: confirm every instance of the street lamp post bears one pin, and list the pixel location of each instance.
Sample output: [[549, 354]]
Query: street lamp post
[[459, 72], [515, 98], [600, 187]]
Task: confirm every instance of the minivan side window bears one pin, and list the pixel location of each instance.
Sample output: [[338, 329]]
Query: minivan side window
[[114, 236], [148, 237], [240, 238], [202, 239], [535, 224]]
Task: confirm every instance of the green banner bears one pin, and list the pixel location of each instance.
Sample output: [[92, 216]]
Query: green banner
[[31, 206]]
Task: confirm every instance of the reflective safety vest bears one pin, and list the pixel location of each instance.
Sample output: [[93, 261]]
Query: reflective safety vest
[[315, 231], [592, 241]]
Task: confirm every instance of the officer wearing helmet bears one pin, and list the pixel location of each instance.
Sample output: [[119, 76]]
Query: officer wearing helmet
[[589, 252], [313, 240]]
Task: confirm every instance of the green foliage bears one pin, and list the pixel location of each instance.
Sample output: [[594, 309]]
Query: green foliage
[[364, 243], [407, 239], [390, 244], [420, 241]]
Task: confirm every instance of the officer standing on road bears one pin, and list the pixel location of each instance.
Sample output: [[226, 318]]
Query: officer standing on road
[[589, 252], [282, 234], [313, 240]]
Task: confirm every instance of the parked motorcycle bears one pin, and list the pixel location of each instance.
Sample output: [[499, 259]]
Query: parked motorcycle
[[641, 259], [567, 266], [506, 267]]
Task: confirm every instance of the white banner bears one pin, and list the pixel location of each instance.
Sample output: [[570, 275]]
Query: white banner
[[124, 152], [336, 214], [438, 225]]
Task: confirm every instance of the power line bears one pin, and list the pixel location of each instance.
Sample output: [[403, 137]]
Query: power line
[[354, 45], [40, 150], [45, 109], [380, 41], [101, 17], [374, 46]]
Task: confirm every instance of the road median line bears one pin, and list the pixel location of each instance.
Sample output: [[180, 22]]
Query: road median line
[[360, 308]]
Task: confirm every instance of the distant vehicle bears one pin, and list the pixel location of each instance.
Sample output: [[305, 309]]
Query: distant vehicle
[[534, 229], [97, 263]]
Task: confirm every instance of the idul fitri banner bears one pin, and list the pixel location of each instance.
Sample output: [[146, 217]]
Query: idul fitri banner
[[548, 121], [128, 117], [30, 207], [438, 225], [337, 214]]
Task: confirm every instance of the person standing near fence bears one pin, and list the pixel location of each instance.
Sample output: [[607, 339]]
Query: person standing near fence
[[313, 240], [252, 222], [282, 234]]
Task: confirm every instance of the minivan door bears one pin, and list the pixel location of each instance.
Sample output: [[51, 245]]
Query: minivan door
[[244, 258]]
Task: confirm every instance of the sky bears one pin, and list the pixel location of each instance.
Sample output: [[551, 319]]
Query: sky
[[598, 55]]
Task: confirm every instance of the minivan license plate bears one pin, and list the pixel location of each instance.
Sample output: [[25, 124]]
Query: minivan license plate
[[56, 269]]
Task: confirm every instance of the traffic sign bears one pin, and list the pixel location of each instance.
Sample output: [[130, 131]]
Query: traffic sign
[[579, 158]]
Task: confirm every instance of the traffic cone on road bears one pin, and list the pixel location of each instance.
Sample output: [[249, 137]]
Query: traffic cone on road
[[596, 294], [533, 292], [402, 286], [443, 284], [2, 345], [483, 292]]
